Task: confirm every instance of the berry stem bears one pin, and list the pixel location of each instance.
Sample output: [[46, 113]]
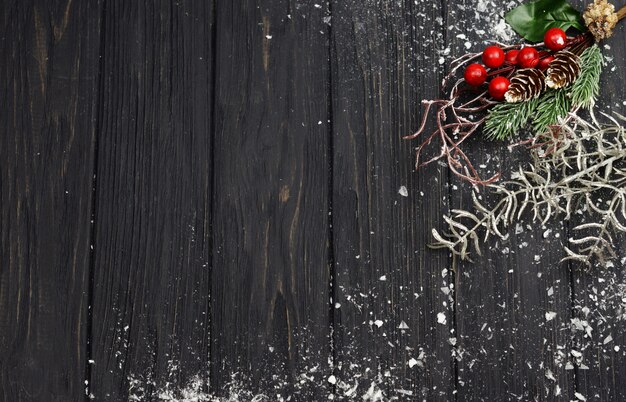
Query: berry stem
[[503, 70]]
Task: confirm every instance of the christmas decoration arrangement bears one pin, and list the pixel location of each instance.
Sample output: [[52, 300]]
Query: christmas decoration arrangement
[[578, 164]]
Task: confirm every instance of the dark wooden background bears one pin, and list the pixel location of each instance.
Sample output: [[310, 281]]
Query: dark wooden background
[[199, 199]]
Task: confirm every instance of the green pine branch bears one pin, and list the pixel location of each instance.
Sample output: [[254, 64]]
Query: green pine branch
[[506, 119], [587, 87], [553, 105]]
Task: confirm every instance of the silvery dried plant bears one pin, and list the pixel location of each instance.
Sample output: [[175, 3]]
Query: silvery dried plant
[[578, 167]]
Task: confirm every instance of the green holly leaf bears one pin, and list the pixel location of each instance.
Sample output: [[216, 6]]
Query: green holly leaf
[[532, 20]]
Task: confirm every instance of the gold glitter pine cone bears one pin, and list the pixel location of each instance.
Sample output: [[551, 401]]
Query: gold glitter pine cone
[[600, 17], [564, 70], [525, 85]]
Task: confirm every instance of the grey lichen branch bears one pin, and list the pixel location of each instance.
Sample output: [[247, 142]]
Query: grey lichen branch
[[578, 167]]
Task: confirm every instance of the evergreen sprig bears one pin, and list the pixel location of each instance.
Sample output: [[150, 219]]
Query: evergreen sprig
[[553, 105], [587, 87], [507, 118]]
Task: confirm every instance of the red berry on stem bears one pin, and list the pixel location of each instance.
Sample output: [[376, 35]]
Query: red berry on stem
[[475, 74], [555, 39], [511, 57], [493, 57], [498, 87], [528, 57], [545, 62]]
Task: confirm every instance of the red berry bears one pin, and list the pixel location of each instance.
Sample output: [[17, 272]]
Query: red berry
[[545, 62], [498, 87], [528, 57], [493, 57], [475, 74], [511, 57], [555, 39]]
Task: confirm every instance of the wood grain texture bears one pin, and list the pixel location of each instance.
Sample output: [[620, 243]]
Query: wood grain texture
[[152, 253], [385, 277], [48, 83], [206, 195], [600, 292], [270, 293], [507, 349]]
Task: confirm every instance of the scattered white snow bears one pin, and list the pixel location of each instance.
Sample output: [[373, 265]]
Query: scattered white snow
[[580, 396], [441, 318], [550, 315]]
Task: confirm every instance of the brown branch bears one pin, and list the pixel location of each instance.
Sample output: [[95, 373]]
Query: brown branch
[[621, 13]]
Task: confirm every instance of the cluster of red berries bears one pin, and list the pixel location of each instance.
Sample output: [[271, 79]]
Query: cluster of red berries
[[494, 57]]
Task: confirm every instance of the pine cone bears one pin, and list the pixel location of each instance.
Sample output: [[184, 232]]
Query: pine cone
[[527, 84], [600, 18], [564, 70]]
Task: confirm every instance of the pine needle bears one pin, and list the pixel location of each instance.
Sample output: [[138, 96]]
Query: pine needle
[[505, 119], [552, 105], [585, 90]]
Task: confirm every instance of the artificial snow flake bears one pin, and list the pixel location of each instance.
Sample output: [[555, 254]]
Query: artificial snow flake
[[550, 315]]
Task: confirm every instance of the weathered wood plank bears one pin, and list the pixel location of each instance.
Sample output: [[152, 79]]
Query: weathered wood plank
[[385, 58], [507, 348], [48, 87], [153, 202], [270, 293], [600, 291], [599, 329]]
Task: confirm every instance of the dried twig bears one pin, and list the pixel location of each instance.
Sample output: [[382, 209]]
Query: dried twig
[[457, 118]]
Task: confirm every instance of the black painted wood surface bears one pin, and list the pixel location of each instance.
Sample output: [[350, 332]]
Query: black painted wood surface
[[48, 97], [387, 284], [270, 274], [151, 263], [212, 199]]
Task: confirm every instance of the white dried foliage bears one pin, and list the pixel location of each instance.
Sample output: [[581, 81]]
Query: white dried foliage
[[578, 168]]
